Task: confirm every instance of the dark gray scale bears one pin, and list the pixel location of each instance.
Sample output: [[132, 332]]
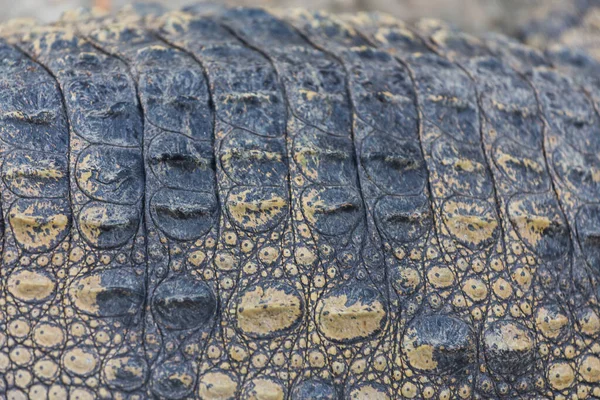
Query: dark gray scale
[[573, 173], [332, 245], [30, 118], [105, 290], [550, 21], [184, 215], [321, 152], [341, 207], [572, 167], [181, 201], [314, 389], [251, 103], [573, 24], [441, 323], [108, 174], [392, 171], [588, 229], [514, 53], [511, 139], [107, 101], [182, 304], [383, 28], [267, 309], [325, 158], [573, 120], [35, 227], [570, 171], [449, 104], [313, 81], [251, 159], [395, 165], [403, 219], [577, 171], [453, 105], [459, 174], [453, 42], [462, 167], [509, 109], [581, 66], [578, 118], [180, 162], [107, 166], [510, 104]]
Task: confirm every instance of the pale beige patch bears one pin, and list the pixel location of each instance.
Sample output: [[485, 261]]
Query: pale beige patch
[[46, 335], [589, 369], [85, 292], [264, 389], [560, 375], [470, 223], [509, 338], [80, 361], [340, 321], [30, 286], [502, 288], [45, 369], [589, 322], [368, 392], [475, 289], [420, 356], [440, 277], [549, 323], [82, 394], [35, 231], [265, 311], [217, 386]]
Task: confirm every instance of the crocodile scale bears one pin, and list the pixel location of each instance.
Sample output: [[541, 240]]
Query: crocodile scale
[[235, 203]]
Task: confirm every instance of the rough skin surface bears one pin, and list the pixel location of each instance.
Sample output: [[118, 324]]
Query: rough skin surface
[[236, 204], [572, 23]]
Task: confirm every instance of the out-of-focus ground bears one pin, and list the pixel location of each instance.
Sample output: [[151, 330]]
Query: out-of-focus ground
[[470, 15]]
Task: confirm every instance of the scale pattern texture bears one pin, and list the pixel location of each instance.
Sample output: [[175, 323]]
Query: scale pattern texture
[[234, 203]]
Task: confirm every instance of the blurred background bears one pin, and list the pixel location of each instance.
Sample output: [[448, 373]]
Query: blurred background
[[515, 17]]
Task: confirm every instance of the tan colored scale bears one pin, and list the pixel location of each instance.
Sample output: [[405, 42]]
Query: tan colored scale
[[441, 276], [469, 226], [263, 306], [36, 227], [77, 355], [507, 324], [583, 312], [542, 228], [578, 320], [274, 271], [404, 257], [346, 334], [262, 312], [177, 261]]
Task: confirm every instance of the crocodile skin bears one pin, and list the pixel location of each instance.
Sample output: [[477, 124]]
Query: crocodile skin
[[235, 203]]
